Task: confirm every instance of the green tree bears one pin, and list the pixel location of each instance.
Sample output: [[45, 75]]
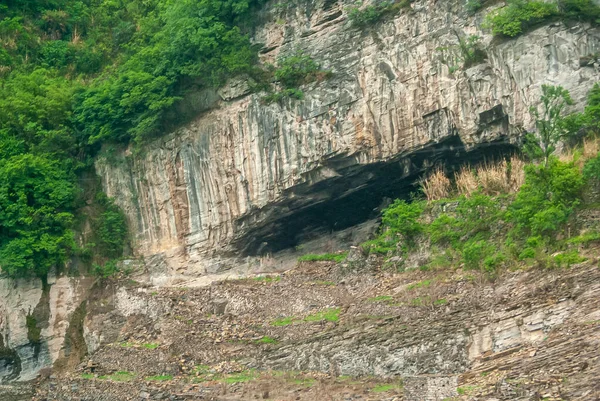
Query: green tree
[[549, 121], [36, 203]]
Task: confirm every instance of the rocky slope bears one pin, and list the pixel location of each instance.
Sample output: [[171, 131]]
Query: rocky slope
[[324, 332]]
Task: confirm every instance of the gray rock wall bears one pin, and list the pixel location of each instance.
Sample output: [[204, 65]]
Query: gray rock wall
[[236, 173]]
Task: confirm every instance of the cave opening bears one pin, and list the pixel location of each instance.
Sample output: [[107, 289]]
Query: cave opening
[[354, 194]]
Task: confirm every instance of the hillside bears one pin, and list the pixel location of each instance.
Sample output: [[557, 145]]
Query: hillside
[[322, 199]]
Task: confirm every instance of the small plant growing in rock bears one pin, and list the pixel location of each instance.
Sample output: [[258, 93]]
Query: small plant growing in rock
[[362, 16], [473, 6], [292, 72]]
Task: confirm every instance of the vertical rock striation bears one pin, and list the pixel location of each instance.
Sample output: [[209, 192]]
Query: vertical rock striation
[[248, 178]]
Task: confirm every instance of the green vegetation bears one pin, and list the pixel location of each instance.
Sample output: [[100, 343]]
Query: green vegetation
[[467, 53], [33, 331], [401, 226], [330, 315], [322, 282], [323, 257], [79, 75], [292, 72], [151, 345], [240, 377], [121, 376], [521, 15], [420, 284], [479, 231], [473, 6], [305, 382], [464, 390], [87, 376], [159, 378], [364, 16], [284, 321], [266, 340]]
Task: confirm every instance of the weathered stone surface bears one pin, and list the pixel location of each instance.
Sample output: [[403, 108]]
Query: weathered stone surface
[[254, 179], [429, 388], [22, 354]]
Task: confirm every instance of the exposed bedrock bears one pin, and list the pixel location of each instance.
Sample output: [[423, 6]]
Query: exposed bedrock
[[249, 179], [35, 317]]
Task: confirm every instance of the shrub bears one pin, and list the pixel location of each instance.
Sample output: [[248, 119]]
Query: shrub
[[111, 228], [585, 10], [296, 70], [471, 50], [361, 17], [106, 270], [547, 198], [364, 16], [475, 252], [568, 258], [401, 219], [466, 181], [473, 6], [493, 178], [591, 168], [519, 15], [36, 202], [292, 72]]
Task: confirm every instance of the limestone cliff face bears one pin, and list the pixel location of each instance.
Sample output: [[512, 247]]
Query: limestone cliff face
[[34, 321], [247, 179]]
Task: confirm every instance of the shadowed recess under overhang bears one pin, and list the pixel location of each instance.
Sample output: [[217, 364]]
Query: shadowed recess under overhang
[[347, 193]]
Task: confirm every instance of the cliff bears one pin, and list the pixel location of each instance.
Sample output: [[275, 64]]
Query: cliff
[[239, 188], [249, 179]]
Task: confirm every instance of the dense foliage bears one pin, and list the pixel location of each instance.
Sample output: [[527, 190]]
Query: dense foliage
[[77, 74], [521, 15]]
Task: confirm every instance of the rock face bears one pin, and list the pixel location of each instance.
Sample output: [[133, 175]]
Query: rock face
[[34, 322], [247, 178]]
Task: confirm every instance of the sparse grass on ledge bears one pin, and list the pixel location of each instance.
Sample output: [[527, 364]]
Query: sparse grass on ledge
[[284, 321], [151, 345], [120, 376], [381, 298], [240, 377], [159, 378], [266, 340], [382, 388], [323, 257], [329, 315]]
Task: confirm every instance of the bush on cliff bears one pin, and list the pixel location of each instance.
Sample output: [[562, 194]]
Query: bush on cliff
[[520, 15]]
